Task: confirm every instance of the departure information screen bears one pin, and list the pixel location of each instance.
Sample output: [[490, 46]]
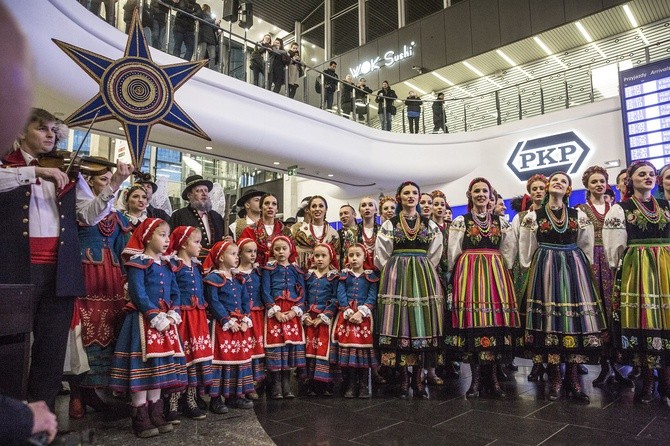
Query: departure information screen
[[645, 105]]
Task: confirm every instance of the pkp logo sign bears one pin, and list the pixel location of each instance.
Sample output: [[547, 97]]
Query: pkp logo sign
[[565, 151]]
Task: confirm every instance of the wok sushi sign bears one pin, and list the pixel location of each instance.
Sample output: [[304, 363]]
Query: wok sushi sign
[[564, 151], [389, 58]]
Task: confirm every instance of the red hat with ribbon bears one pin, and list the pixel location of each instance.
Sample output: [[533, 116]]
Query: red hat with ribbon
[[293, 255], [140, 237], [179, 237], [212, 259], [331, 252]]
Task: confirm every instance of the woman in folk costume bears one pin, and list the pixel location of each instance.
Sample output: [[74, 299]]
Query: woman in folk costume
[[194, 329], [283, 288], [265, 229], [228, 303], [596, 207], [307, 235], [485, 317], [566, 318], [101, 310], [536, 189], [321, 308], [410, 306], [148, 356], [636, 236], [353, 333], [248, 269]]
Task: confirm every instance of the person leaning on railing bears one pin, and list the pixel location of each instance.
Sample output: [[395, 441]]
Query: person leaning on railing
[[257, 64], [385, 98], [295, 70], [362, 92]]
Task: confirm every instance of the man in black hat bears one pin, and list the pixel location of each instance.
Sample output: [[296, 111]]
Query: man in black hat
[[199, 212], [150, 188], [249, 213]]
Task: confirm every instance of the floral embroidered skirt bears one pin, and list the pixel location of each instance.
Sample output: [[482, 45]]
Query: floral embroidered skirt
[[231, 366], [565, 313], [146, 359], [641, 299], [410, 309], [484, 314], [317, 351], [257, 316], [353, 345], [197, 342]]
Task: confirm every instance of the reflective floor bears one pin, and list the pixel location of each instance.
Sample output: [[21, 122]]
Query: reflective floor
[[614, 417]]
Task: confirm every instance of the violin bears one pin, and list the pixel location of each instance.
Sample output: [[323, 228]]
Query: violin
[[73, 165]]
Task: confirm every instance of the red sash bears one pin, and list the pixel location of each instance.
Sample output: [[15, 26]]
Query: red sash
[[278, 334]]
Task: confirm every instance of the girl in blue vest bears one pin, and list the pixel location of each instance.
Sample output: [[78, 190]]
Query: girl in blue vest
[[353, 331], [229, 305], [194, 329], [321, 296], [149, 357], [283, 286], [249, 270]]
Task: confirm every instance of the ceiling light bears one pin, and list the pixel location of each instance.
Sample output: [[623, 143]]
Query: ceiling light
[[330, 175], [414, 87], [506, 57], [313, 46], [542, 45], [473, 69], [442, 78], [313, 59], [208, 147], [613, 163], [260, 20], [276, 163], [631, 17], [584, 32], [121, 128]]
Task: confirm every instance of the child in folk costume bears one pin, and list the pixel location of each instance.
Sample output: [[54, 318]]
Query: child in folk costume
[[229, 304], [249, 270], [282, 286], [321, 294], [353, 332], [194, 329], [148, 355]]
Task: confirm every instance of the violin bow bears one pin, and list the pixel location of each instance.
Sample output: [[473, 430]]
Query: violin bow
[[81, 144]]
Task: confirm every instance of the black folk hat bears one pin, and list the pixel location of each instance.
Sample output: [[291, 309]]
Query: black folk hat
[[147, 179], [193, 181], [248, 195]]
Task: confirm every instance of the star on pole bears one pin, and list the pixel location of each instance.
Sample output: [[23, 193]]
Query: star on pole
[[134, 90]]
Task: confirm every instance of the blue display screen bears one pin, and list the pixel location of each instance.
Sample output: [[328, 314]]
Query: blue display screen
[[645, 107]]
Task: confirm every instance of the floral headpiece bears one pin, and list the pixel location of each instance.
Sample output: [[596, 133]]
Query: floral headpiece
[[534, 178], [592, 170]]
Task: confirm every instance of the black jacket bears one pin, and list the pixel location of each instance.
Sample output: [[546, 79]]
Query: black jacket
[[438, 111], [207, 32], [330, 80], [184, 23], [389, 97], [188, 216], [413, 104]]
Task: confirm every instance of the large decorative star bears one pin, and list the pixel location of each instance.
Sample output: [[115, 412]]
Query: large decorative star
[[134, 90]]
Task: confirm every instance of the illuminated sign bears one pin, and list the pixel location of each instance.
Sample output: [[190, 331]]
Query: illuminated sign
[[564, 151], [390, 57], [645, 105]]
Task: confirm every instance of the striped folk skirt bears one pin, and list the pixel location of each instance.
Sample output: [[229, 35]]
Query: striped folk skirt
[[410, 308], [565, 313], [641, 299], [485, 316]]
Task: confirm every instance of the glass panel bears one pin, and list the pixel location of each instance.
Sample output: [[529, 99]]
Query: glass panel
[[579, 87], [345, 32], [418, 10], [553, 91], [382, 18], [530, 99], [509, 104], [481, 112]]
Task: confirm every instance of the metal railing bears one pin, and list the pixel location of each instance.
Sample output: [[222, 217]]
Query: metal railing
[[569, 88]]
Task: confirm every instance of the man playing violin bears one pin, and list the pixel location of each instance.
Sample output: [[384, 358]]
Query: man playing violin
[[38, 233]]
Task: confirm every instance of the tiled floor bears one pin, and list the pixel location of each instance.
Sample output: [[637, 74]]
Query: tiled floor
[[526, 417]]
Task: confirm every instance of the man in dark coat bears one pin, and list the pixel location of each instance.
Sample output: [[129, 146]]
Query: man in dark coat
[[439, 123], [199, 212]]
